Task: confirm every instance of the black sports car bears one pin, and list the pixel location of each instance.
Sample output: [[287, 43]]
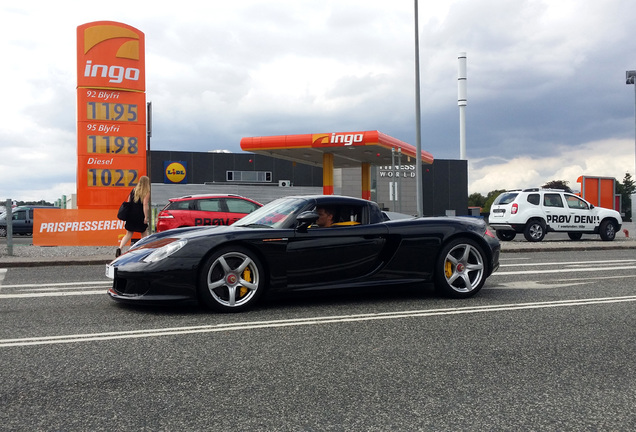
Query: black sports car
[[278, 247]]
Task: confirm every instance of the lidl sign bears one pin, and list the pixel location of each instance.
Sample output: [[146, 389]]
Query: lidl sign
[[175, 172]]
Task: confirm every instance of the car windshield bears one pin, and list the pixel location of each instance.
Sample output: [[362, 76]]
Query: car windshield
[[277, 214]]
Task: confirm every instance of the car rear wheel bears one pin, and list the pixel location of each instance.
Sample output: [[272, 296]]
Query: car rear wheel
[[461, 268], [534, 231], [505, 235], [575, 235], [607, 230], [232, 280], [3, 232]]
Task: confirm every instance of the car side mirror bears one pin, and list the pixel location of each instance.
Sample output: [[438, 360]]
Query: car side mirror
[[305, 219], [591, 206]]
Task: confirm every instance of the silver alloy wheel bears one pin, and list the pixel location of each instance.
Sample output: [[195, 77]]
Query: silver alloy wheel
[[233, 279], [607, 230], [534, 231], [464, 268]]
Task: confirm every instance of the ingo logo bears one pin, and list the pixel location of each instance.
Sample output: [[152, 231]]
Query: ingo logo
[[110, 53], [175, 172], [319, 140]]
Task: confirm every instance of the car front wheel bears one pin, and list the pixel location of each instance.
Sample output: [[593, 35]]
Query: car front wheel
[[607, 230], [534, 231], [232, 280], [506, 235], [461, 269]]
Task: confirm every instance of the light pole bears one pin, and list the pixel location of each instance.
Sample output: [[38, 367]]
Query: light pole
[[462, 101], [418, 125], [630, 78]]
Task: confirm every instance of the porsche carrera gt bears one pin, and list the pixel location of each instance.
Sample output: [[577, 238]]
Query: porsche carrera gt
[[279, 247]]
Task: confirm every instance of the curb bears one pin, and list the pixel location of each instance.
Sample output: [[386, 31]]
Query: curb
[[39, 262]]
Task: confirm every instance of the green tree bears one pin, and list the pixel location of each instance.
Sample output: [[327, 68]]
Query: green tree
[[476, 200], [490, 198], [38, 203], [558, 184], [625, 190]]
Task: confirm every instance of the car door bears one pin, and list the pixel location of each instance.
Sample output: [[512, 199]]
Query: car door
[[584, 217], [211, 211], [330, 255], [238, 208], [20, 220], [558, 215]]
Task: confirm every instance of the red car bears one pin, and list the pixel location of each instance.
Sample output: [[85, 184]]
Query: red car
[[194, 210]]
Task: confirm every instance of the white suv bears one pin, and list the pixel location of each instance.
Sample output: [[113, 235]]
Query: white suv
[[534, 212]]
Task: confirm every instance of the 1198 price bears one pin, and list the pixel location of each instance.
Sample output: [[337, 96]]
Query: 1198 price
[[112, 177], [104, 144]]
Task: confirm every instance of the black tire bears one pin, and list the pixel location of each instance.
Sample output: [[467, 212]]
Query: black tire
[[3, 231], [534, 230], [607, 230], [232, 280], [505, 235], [461, 268], [575, 236]]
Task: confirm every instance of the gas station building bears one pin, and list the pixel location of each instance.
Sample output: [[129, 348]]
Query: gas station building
[[367, 164]]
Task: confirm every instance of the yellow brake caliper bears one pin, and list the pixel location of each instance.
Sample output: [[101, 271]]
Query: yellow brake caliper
[[247, 276], [448, 269]]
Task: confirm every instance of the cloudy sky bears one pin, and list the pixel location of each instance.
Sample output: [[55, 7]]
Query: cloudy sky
[[547, 98]]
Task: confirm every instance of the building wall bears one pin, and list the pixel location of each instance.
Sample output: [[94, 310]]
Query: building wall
[[444, 187], [203, 167]]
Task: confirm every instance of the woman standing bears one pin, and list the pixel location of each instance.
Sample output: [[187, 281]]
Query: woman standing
[[139, 214]]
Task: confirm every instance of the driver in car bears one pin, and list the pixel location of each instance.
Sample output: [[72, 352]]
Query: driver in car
[[325, 216]]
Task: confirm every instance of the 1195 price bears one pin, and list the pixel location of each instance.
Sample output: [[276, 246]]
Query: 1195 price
[[111, 111], [112, 177]]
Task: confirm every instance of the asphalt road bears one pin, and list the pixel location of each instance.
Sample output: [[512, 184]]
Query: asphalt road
[[548, 344]]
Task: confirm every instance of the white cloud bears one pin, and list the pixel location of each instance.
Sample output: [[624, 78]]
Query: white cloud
[[607, 158]]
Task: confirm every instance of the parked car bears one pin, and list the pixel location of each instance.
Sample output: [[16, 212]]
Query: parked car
[[195, 210], [535, 212], [21, 220], [277, 248]]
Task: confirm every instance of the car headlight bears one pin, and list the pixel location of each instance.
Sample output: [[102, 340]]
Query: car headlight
[[165, 251]]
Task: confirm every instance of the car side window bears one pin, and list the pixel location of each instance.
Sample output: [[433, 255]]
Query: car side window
[[552, 200], [240, 206], [179, 205], [348, 216], [576, 203], [534, 199], [211, 205], [19, 215]]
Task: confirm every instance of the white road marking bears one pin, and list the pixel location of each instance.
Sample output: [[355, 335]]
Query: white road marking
[[60, 284], [50, 294], [533, 285], [560, 270], [577, 263], [171, 331]]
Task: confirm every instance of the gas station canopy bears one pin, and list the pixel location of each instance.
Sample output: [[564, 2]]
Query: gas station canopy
[[349, 149]]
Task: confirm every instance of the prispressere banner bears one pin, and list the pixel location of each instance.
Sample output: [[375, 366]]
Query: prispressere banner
[[75, 227]]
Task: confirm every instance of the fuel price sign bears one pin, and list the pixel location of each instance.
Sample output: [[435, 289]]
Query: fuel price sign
[[111, 112]]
